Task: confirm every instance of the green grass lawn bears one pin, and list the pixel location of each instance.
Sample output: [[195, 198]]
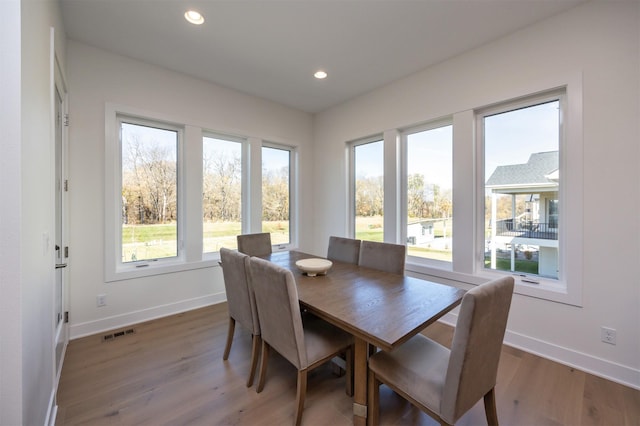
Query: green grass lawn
[[430, 253], [146, 242], [524, 266], [146, 233]]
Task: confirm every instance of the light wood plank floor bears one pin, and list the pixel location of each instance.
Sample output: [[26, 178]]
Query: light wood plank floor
[[171, 372]]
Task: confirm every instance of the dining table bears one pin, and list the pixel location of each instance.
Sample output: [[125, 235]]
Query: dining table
[[379, 309]]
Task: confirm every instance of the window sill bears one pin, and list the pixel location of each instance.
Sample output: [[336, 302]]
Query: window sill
[[128, 272], [550, 290]]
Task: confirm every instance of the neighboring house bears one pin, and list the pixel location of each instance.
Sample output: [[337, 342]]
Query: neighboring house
[[537, 183], [420, 232]]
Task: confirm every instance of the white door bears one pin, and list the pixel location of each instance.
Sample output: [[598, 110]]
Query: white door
[[61, 250]]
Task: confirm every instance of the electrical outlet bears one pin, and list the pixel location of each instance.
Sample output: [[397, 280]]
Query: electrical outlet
[[608, 335], [101, 300]]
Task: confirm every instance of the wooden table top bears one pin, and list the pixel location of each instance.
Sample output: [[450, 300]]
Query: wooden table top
[[381, 308]]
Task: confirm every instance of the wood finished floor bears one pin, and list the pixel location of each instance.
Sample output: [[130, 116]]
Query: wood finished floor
[[171, 372]]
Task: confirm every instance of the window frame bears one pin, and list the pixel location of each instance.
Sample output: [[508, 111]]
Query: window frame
[[468, 194], [293, 190], [566, 288], [404, 176], [351, 154], [190, 185], [115, 268], [244, 163]]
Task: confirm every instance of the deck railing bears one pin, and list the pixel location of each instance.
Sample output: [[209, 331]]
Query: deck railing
[[526, 229]]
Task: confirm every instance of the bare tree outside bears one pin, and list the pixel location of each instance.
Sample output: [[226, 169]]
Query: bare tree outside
[[221, 193], [276, 180], [149, 192]]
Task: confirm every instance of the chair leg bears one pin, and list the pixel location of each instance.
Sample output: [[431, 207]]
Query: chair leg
[[255, 348], [232, 328], [373, 399], [301, 393], [349, 370], [263, 366], [490, 407]]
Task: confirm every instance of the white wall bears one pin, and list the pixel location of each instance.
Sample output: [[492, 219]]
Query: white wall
[[26, 255], [599, 42], [97, 77], [10, 310]]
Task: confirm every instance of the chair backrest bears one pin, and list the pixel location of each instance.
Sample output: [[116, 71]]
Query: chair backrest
[[344, 250], [476, 346], [385, 257], [240, 297], [279, 310], [254, 244]]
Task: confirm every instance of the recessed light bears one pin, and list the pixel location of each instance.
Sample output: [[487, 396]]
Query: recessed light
[[320, 75], [194, 17]]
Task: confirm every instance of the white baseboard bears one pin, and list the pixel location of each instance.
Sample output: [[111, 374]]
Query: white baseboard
[[618, 373], [118, 321]]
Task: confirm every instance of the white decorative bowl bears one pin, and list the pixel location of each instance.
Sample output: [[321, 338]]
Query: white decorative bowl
[[314, 266]]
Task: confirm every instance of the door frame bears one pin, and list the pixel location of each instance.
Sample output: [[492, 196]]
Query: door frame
[[60, 328]]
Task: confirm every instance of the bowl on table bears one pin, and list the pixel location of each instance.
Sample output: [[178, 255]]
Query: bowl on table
[[314, 266]]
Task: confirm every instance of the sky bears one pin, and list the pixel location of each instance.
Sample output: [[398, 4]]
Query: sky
[[215, 147], [510, 138], [272, 158], [148, 138]]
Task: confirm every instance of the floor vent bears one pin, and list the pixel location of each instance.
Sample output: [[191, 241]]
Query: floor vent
[[112, 336]]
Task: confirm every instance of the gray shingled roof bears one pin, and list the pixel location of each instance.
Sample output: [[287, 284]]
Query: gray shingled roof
[[533, 172]]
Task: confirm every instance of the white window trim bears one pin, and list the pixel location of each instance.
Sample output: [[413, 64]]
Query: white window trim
[[404, 134], [190, 253], [351, 158], [293, 193], [244, 190], [468, 189], [115, 269], [568, 287]]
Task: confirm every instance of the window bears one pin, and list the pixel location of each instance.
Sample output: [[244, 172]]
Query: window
[[429, 192], [162, 217], [522, 188], [368, 190], [149, 188], [221, 192], [514, 171], [276, 193]]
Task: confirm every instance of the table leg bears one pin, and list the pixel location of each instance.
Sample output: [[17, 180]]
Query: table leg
[[360, 382]]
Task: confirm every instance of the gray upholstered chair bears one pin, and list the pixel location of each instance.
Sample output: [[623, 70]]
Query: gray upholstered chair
[[447, 383], [344, 250], [254, 244], [241, 303], [385, 257], [304, 340]]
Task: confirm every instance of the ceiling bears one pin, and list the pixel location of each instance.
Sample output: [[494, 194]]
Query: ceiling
[[271, 48]]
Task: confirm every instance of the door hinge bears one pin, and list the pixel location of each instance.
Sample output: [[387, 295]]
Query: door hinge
[[66, 185], [66, 317], [66, 252], [66, 120]]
